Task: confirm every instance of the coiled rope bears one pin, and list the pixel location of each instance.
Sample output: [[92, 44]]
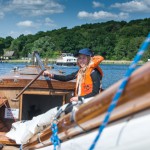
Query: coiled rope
[[121, 88]]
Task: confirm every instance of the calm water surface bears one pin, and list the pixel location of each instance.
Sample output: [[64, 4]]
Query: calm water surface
[[112, 73]]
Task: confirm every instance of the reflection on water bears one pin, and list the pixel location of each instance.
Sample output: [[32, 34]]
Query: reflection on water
[[112, 73]]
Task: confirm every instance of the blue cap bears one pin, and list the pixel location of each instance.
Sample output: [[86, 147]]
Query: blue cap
[[86, 51]]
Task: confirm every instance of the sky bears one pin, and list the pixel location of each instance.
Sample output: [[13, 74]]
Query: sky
[[31, 16]]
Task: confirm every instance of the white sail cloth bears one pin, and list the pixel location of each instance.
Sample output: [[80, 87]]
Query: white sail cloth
[[22, 131]]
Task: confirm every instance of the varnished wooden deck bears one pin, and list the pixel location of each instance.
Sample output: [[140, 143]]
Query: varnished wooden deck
[[20, 78]]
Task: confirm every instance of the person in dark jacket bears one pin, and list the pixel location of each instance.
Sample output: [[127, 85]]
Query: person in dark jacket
[[88, 77]]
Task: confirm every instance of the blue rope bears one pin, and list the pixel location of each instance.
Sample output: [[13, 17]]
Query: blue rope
[[115, 99], [54, 138], [21, 147]]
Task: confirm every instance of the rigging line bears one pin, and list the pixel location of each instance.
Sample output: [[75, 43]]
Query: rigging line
[[54, 138], [121, 88]]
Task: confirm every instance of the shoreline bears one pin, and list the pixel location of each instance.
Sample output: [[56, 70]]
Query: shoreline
[[126, 62], [52, 61]]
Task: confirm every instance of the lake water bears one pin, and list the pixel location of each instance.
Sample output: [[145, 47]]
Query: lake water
[[112, 73]]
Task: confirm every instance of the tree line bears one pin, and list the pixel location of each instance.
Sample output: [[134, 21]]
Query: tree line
[[113, 40]]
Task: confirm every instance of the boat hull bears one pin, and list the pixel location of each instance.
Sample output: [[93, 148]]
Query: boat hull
[[126, 134], [89, 116]]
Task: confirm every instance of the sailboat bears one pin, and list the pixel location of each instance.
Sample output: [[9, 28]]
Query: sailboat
[[128, 125]]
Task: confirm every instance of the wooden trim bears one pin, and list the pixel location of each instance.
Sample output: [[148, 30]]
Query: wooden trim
[[6, 140], [20, 107], [64, 99], [42, 84], [47, 92], [3, 101]]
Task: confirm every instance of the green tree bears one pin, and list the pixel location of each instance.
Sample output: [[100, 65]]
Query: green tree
[[44, 46], [114, 40], [8, 41], [2, 46], [120, 51]]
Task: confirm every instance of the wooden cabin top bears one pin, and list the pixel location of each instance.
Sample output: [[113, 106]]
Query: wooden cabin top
[[20, 77]]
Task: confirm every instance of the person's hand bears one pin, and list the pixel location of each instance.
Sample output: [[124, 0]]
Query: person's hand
[[74, 99], [46, 73]]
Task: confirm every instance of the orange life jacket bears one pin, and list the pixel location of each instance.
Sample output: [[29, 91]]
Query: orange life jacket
[[87, 83]]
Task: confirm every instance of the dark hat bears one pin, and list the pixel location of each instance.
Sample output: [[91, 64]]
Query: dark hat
[[85, 51]]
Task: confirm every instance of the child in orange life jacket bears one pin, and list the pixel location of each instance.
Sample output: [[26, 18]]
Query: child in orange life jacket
[[88, 77]]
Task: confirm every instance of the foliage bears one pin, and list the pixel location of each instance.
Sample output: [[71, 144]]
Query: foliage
[[113, 40], [2, 46]]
